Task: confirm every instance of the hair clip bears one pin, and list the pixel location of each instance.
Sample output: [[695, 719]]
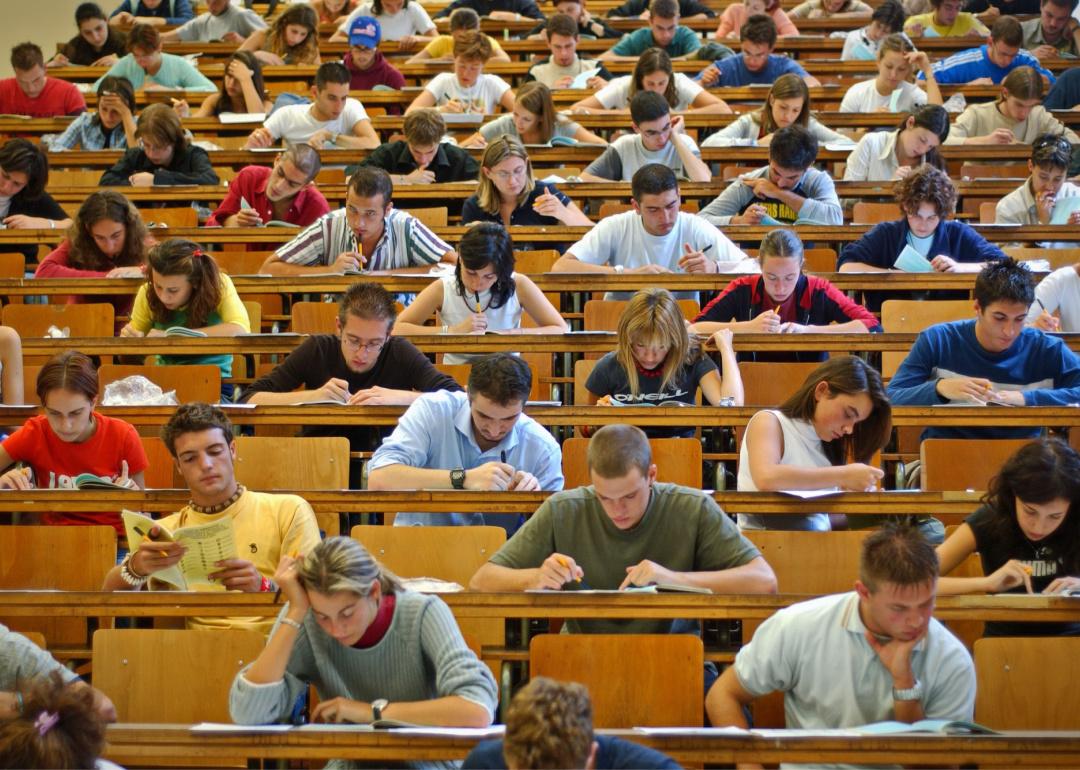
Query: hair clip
[[197, 253], [45, 721]]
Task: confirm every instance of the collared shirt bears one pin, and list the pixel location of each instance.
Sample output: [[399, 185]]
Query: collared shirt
[[450, 164], [874, 158], [817, 654], [1034, 37], [87, 133], [436, 431], [250, 185], [1018, 208], [405, 242]]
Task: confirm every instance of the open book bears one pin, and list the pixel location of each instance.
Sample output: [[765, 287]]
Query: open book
[[183, 331], [206, 545], [940, 726], [92, 481]]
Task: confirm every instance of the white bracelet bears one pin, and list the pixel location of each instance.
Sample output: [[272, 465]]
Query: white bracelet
[[291, 622], [52, 224], [446, 328]]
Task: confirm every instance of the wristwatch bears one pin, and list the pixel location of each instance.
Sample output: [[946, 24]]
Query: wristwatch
[[911, 693], [377, 707], [457, 478]]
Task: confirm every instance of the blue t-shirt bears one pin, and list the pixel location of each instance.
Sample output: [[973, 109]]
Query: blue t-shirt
[[640, 40], [734, 72], [921, 245], [611, 754], [974, 63]]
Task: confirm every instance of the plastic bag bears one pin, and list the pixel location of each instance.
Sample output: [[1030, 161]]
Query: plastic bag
[[136, 390]]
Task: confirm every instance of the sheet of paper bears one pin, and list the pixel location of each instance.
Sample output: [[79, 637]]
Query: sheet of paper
[[691, 731], [772, 733], [242, 117], [221, 728], [206, 545], [454, 732], [1063, 207], [839, 146], [582, 80], [911, 261], [810, 494]]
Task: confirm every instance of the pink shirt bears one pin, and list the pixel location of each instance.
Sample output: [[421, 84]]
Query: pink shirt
[[250, 184], [734, 16], [58, 97]]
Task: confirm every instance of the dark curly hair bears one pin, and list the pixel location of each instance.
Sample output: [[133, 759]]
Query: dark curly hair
[[1004, 280], [926, 185], [114, 207], [195, 417]]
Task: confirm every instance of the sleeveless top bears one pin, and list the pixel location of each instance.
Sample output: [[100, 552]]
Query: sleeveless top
[[802, 448], [456, 309]]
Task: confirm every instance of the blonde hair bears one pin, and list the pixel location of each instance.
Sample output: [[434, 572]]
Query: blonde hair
[[653, 318], [506, 146], [342, 564]]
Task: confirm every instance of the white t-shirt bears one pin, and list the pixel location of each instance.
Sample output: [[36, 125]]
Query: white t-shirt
[[410, 20], [623, 157], [1059, 292], [295, 122], [482, 97], [616, 94], [864, 97]]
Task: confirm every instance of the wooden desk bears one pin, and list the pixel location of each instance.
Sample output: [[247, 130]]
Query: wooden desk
[[136, 744]]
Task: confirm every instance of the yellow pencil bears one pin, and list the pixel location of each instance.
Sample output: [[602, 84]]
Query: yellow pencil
[[566, 564]]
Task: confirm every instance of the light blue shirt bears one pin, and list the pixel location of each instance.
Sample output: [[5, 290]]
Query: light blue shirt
[[921, 245], [436, 431], [175, 72]]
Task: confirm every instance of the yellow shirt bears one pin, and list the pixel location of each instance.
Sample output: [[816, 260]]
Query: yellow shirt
[[230, 309], [442, 47], [264, 527], [965, 22]]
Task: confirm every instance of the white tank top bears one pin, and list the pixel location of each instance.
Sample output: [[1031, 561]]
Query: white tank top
[[803, 448], [456, 309]]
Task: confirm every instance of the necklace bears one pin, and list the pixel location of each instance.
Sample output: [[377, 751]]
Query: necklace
[[212, 509]]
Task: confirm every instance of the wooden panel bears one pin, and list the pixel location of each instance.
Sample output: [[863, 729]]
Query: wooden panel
[[910, 315], [1026, 683], [197, 382], [161, 470], [866, 213], [811, 562], [314, 317], [604, 314], [664, 691], [770, 383], [88, 320], [950, 464], [678, 460], [303, 462], [446, 553]]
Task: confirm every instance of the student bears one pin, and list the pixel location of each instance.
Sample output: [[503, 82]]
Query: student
[[755, 63], [422, 157], [882, 156], [462, 22], [482, 293], [468, 88], [24, 662], [293, 38], [479, 440], [367, 66], [892, 90], [550, 724], [32, 93], [992, 357], [371, 649], [1058, 293], [945, 20], [11, 368], [639, 9], [496, 10], [165, 155], [147, 68], [1032, 203], [331, 11], [862, 44], [1054, 33], [1015, 116], [96, 45], [24, 204], [659, 137], [822, 437], [508, 192], [222, 21], [534, 120], [153, 12], [404, 21], [845, 660], [242, 90], [927, 198], [333, 118], [368, 233], [655, 237], [1025, 533], [185, 288], [664, 32], [283, 193], [588, 26], [830, 9], [787, 104], [564, 65], [783, 299], [112, 127], [656, 361], [69, 438], [1065, 93], [653, 72], [737, 14], [199, 438], [789, 189], [990, 63], [624, 529]]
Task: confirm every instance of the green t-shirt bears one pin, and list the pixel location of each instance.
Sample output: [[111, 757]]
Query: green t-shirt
[[683, 529], [637, 42]]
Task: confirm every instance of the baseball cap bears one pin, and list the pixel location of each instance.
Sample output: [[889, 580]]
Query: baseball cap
[[365, 31]]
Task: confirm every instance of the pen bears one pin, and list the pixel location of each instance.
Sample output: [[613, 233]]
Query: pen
[[707, 247], [144, 534], [503, 456], [1041, 304]]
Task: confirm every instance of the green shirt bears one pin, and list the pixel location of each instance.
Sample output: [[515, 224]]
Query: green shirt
[[683, 529], [640, 40]]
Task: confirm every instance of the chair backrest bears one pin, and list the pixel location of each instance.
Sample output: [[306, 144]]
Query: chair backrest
[[460, 372], [987, 212], [254, 311], [201, 382], [611, 208], [819, 260], [88, 320], [172, 216], [1023, 683], [241, 262], [970, 170], [582, 369], [12, 264], [297, 462], [314, 317], [161, 470], [910, 315], [867, 213], [432, 217], [664, 691], [1056, 257], [446, 553], [535, 262], [603, 314], [678, 460], [770, 383], [811, 562], [954, 464], [166, 675]]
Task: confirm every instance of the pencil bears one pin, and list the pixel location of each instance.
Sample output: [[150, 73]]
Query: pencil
[[478, 308], [163, 554], [563, 562]]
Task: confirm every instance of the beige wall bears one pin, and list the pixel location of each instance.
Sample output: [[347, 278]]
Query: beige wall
[[45, 22]]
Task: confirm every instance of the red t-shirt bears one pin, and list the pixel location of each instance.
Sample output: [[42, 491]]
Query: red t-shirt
[[59, 97], [56, 463]]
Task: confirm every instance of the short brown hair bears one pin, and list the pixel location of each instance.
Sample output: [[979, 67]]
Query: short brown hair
[[368, 301], [70, 370], [161, 123], [664, 9], [424, 127], [464, 18], [75, 740], [145, 36], [1022, 83], [1008, 30], [615, 449], [897, 554], [759, 29], [26, 56], [473, 46], [549, 725], [304, 157], [926, 184], [195, 417], [561, 24]]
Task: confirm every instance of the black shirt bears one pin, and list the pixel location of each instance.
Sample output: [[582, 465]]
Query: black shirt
[[485, 7], [524, 214], [450, 164], [189, 166], [631, 9], [42, 206], [595, 28], [401, 366], [78, 51]]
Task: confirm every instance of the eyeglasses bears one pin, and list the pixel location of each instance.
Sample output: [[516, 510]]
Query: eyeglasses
[[653, 134], [352, 343], [505, 175]]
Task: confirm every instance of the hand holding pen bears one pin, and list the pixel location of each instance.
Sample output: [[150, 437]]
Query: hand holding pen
[[557, 571], [694, 260], [1046, 321]]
